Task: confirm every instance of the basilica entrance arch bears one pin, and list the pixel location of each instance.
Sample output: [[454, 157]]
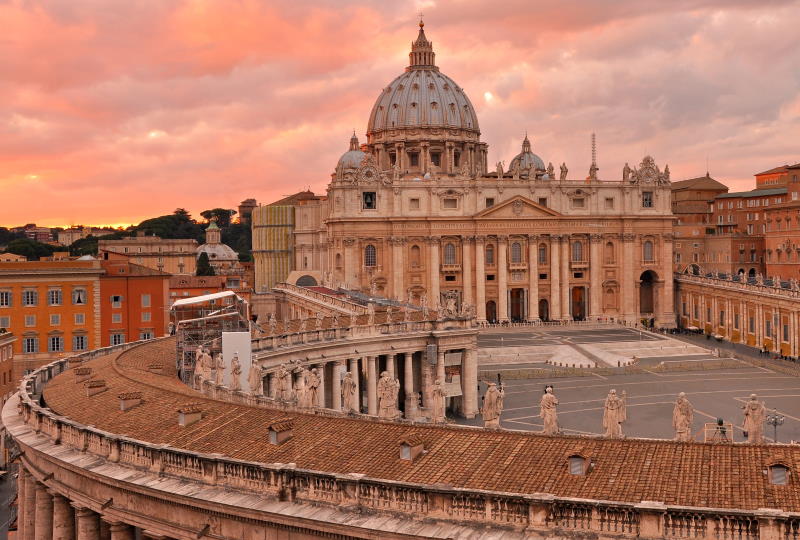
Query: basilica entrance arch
[[578, 308], [517, 304], [646, 292], [752, 273], [491, 311], [544, 310]]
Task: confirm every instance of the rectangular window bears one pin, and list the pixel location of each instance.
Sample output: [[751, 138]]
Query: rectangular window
[[647, 199], [30, 298], [736, 321], [145, 300], [450, 278], [5, 322], [768, 328], [578, 203], [450, 204], [684, 310], [30, 320], [145, 316], [55, 319], [751, 325], [413, 204], [5, 298], [696, 313], [609, 203], [30, 345], [708, 314], [489, 201], [116, 318], [117, 339], [786, 333], [55, 344], [54, 297], [369, 200], [436, 159], [722, 318], [79, 343], [413, 159], [489, 277], [146, 334], [116, 301], [80, 318], [543, 201], [542, 276], [79, 297], [577, 275]]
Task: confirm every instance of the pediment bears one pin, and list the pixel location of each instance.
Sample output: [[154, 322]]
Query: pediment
[[517, 208]]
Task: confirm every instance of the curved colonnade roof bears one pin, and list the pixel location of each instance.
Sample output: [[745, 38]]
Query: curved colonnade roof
[[633, 470]]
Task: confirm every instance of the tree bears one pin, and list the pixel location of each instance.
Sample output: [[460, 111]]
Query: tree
[[7, 236], [239, 237], [223, 216], [179, 224], [204, 267], [88, 245], [29, 248]]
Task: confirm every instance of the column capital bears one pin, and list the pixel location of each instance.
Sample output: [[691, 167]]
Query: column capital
[[595, 238], [480, 238], [468, 238], [349, 241], [628, 237], [502, 238], [397, 240], [534, 237], [433, 240], [82, 511]]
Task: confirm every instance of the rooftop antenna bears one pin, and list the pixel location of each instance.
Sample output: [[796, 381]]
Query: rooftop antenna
[[594, 150]]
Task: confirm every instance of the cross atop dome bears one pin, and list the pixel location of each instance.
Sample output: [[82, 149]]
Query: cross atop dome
[[422, 55]]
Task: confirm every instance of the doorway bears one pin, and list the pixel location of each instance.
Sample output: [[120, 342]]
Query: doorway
[[517, 305], [544, 310], [491, 311], [646, 289], [578, 303]]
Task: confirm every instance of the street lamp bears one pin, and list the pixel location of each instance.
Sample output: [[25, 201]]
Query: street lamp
[[775, 419]]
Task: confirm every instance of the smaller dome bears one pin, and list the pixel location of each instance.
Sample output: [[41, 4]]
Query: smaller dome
[[218, 252], [353, 157], [527, 159]]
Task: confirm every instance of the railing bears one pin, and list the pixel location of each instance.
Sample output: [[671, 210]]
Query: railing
[[289, 483], [738, 285], [332, 302]]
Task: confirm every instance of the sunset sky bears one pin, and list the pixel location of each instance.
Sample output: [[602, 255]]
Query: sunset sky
[[112, 111]]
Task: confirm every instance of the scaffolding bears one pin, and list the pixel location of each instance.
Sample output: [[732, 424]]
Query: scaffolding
[[200, 321]]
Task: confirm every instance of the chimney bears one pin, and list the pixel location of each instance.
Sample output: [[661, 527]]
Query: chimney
[[129, 400], [411, 446], [95, 387], [280, 431], [158, 368], [189, 414], [82, 374]]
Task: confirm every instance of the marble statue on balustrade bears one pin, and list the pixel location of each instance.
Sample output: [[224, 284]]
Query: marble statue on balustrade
[[755, 412], [349, 395], [335, 320], [614, 414], [564, 171], [313, 382], [550, 170], [370, 314], [388, 389], [424, 304], [548, 412], [301, 389], [438, 397], [219, 365], [389, 312], [492, 406], [255, 379], [319, 317], [236, 373], [303, 323], [682, 417], [283, 384], [626, 172], [273, 324]]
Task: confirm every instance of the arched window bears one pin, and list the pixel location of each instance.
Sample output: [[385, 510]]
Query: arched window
[[542, 253], [415, 255], [449, 254], [609, 256], [516, 252], [647, 251], [370, 256], [577, 251], [490, 254]]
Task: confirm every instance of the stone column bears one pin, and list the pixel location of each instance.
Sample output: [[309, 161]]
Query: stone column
[[399, 267], [466, 268], [372, 386], [390, 359], [480, 278], [63, 519], [88, 524], [120, 531], [357, 380], [565, 275], [336, 386], [27, 511], [668, 300], [555, 281], [628, 286], [595, 276], [440, 364], [502, 278], [44, 513], [408, 388], [21, 501], [351, 263], [433, 273], [469, 383], [321, 390], [533, 277]]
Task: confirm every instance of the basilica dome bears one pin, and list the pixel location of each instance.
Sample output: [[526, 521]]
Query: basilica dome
[[422, 97], [526, 159], [214, 248], [353, 157]]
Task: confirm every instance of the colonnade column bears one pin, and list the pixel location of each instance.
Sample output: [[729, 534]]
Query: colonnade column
[[469, 383], [44, 513], [595, 277], [350, 263], [121, 531], [336, 386], [356, 380], [63, 519], [399, 266], [434, 273], [88, 524], [440, 365], [410, 395], [565, 274], [480, 278], [555, 281], [668, 309], [28, 511], [533, 278], [502, 278], [466, 268], [372, 386], [627, 276]]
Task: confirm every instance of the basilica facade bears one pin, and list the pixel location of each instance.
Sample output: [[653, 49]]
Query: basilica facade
[[417, 214]]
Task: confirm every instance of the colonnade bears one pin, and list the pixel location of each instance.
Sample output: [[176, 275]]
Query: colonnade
[[414, 370], [44, 514]]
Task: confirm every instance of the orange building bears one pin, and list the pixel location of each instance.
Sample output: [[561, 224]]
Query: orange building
[[133, 301], [53, 307], [188, 286], [778, 176], [7, 382]]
